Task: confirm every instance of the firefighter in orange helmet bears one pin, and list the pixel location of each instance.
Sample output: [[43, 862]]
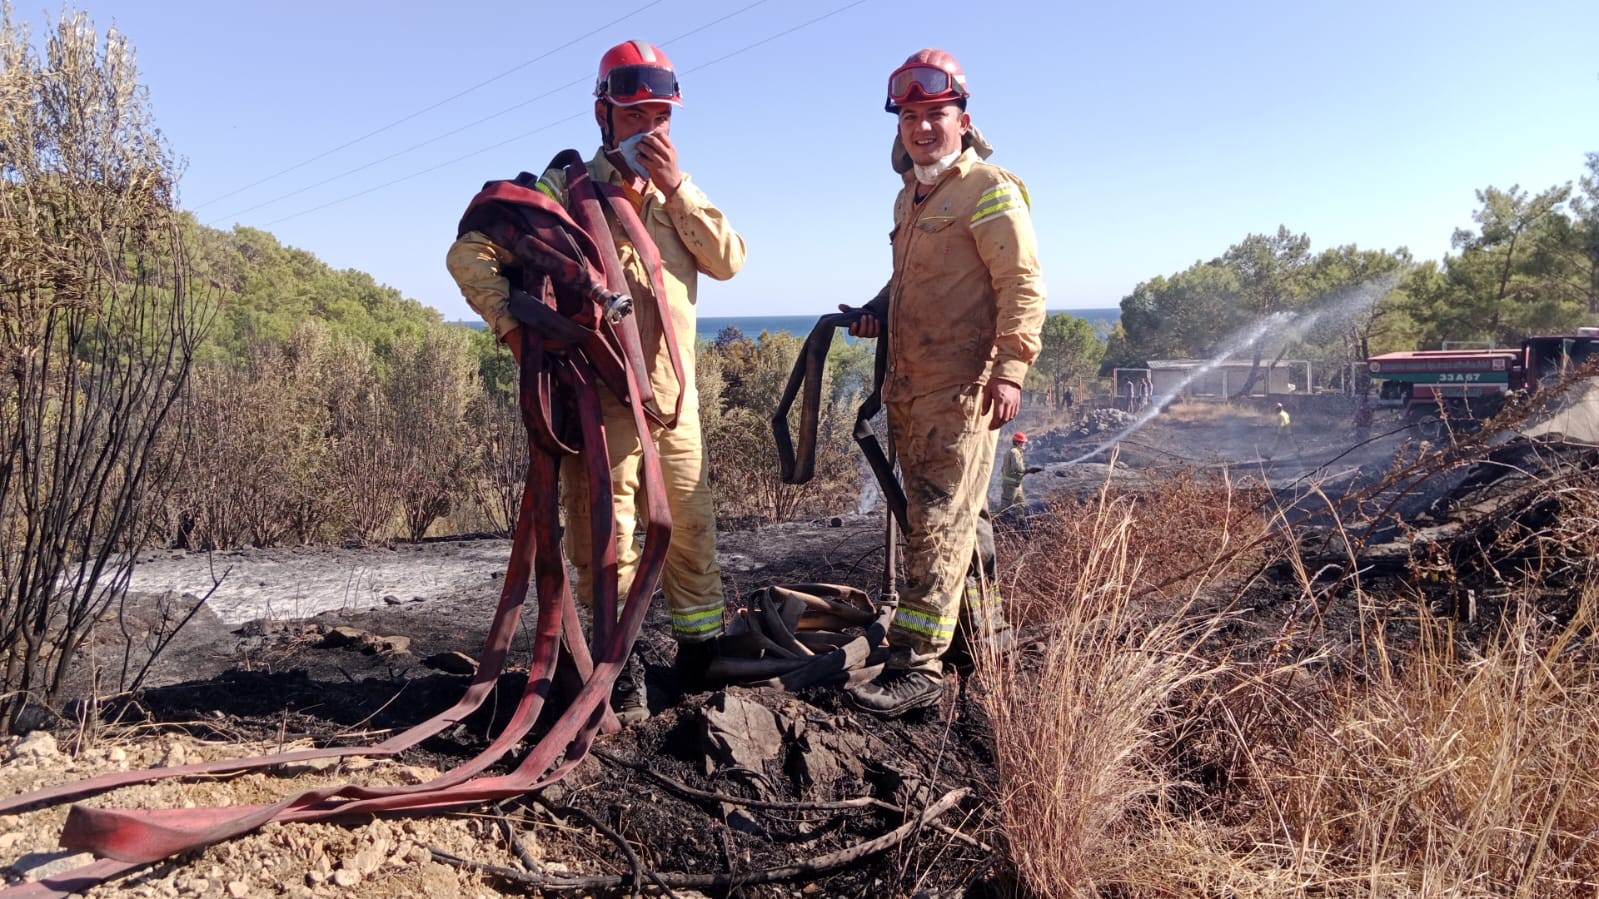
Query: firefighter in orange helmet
[[635, 94], [964, 309], [1011, 473]]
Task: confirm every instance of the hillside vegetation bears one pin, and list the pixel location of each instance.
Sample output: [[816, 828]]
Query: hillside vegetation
[[1199, 709]]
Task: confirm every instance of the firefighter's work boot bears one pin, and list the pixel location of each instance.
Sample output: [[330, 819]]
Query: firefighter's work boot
[[693, 664], [897, 691], [629, 698]]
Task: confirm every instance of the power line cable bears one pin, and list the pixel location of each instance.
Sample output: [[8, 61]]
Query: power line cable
[[428, 170], [768, 40], [402, 179], [395, 155], [452, 132], [426, 109]]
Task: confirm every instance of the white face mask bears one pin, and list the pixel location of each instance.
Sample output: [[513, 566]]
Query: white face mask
[[628, 150], [928, 174]]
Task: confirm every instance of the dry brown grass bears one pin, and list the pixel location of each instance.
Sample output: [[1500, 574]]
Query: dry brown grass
[[1187, 530], [1078, 731], [1203, 411], [1142, 754], [1447, 770]]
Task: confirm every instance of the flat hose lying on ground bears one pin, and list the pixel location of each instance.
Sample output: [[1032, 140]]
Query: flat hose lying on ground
[[563, 366], [795, 637]]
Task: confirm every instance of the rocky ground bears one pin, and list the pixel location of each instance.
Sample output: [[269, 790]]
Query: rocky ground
[[317, 645], [356, 671]]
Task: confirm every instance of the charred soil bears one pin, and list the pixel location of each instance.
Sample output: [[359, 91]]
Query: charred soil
[[739, 791]]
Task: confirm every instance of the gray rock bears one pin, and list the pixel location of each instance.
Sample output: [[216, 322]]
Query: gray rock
[[740, 733], [37, 746], [451, 663], [37, 866]]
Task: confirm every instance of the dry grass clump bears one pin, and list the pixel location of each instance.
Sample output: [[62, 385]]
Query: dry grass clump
[[1443, 770], [1185, 529], [1078, 731], [1143, 752]]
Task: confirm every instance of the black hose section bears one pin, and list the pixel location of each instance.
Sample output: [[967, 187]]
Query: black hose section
[[798, 465]]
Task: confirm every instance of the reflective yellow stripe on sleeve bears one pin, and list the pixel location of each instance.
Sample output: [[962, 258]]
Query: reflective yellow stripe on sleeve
[[1000, 200]]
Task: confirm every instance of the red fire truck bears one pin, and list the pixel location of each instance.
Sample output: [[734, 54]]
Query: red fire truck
[[1467, 385]]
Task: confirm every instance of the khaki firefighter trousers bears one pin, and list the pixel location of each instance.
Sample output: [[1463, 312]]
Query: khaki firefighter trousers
[[946, 454], [691, 579]]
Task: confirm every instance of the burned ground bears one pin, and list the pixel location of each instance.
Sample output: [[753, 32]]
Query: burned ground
[[677, 789]]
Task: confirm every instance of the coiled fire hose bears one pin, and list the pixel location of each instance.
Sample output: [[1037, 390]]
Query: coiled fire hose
[[574, 342]]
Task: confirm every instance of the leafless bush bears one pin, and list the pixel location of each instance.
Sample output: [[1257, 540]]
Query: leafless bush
[[740, 383], [502, 459], [258, 446], [431, 382], [364, 470], [313, 441], [97, 334]]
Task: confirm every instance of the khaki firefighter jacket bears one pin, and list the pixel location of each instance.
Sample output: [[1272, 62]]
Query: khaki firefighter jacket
[[692, 236], [966, 301]]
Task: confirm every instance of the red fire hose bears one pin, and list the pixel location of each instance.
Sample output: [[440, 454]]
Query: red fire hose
[[572, 349]]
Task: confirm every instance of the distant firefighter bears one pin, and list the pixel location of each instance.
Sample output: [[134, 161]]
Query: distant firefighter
[[1011, 472], [1284, 435]]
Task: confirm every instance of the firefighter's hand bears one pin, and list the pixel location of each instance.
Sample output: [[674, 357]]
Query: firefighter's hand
[[659, 157], [865, 326], [1004, 398]]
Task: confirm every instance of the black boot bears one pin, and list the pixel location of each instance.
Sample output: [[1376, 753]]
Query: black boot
[[629, 698], [897, 691], [693, 664]]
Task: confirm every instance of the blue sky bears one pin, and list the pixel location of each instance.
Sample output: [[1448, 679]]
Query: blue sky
[[1150, 135]]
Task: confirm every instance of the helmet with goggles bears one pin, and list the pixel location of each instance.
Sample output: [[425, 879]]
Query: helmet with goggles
[[929, 76], [635, 72]]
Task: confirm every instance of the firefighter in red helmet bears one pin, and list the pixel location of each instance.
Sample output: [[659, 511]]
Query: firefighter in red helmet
[[964, 309], [1011, 472], [928, 76], [635, 94]]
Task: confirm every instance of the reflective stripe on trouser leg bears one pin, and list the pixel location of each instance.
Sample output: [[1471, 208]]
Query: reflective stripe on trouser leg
[[946, 456], [982, 612], [691, 577]]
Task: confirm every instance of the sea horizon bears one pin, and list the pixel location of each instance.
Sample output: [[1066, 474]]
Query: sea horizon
[[708, 327], [751, 326]]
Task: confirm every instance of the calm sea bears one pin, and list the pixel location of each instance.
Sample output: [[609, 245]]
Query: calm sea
[[800, 325]]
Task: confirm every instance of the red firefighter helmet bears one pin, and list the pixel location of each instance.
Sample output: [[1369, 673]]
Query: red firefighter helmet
[[635, 72], [928, 76], [1018, 437]]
